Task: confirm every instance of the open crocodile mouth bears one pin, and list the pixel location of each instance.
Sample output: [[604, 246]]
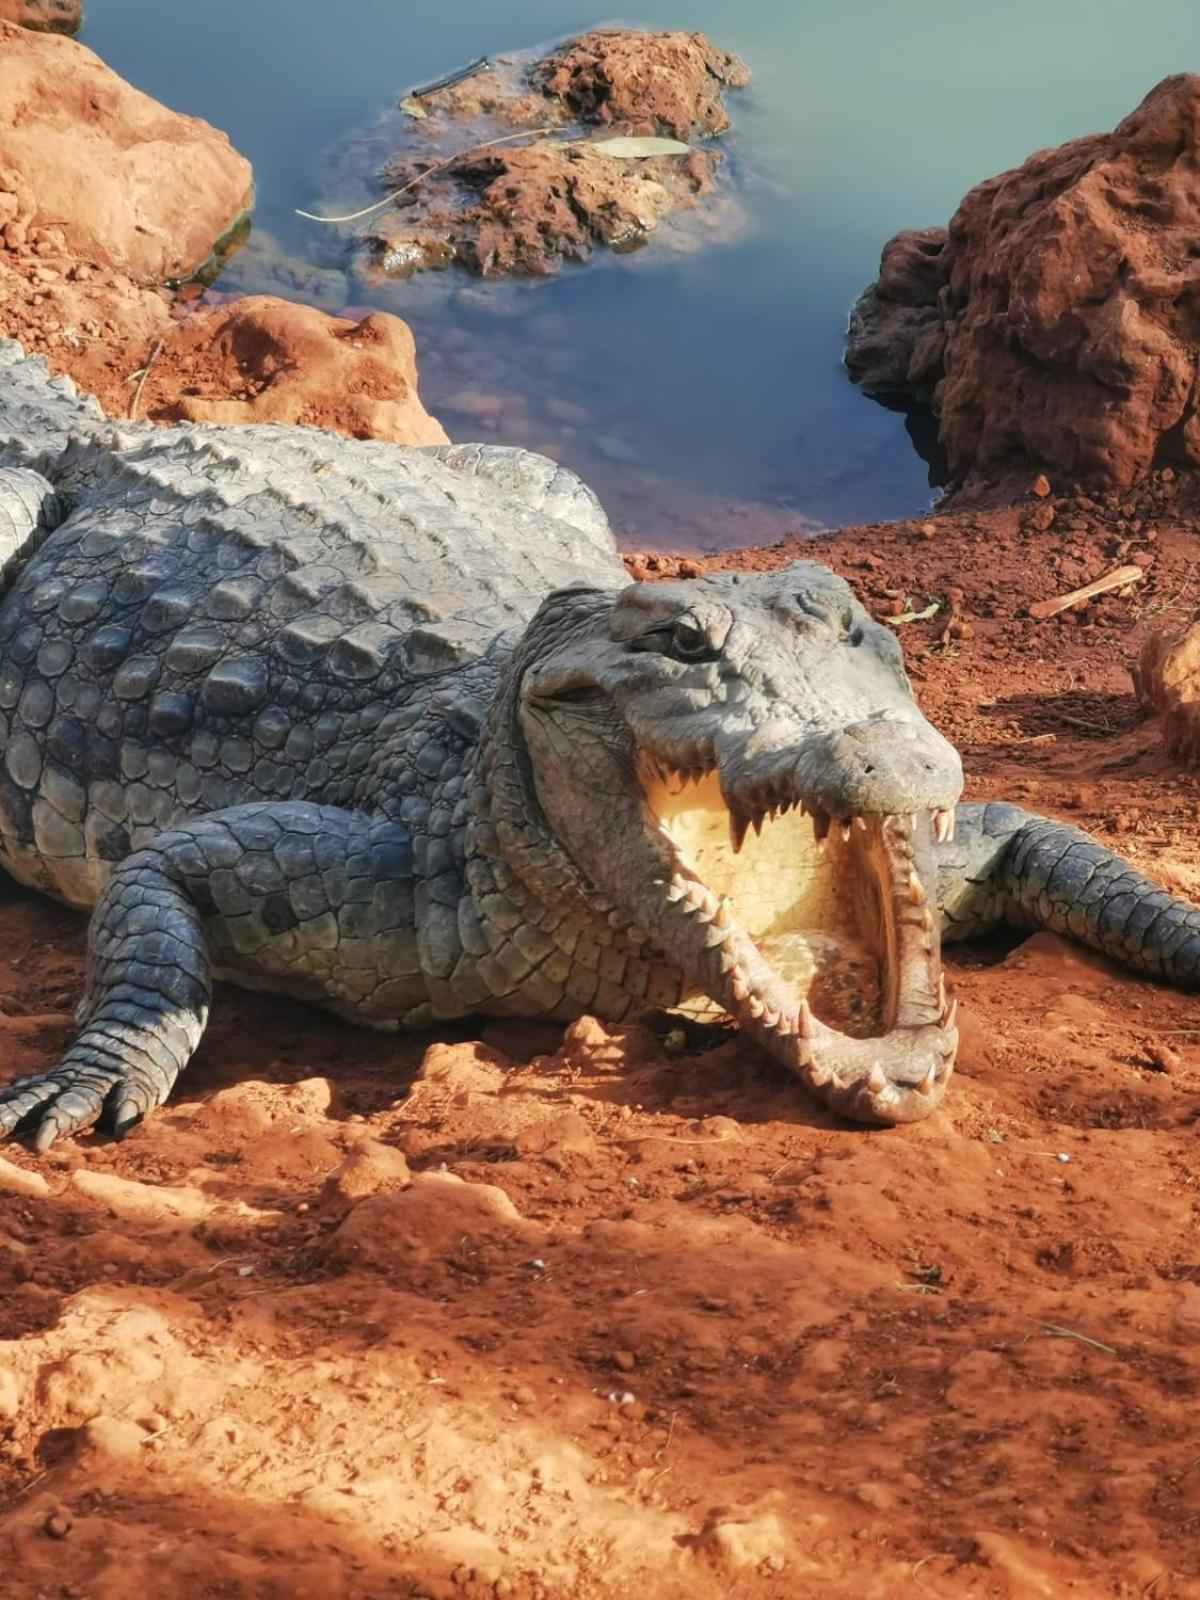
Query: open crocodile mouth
[[818, 935]]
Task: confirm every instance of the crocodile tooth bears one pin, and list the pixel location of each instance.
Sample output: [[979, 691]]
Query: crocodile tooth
[[949, 1014], [950, 829], [738, 823], [927, 1082], [704, 900], [804, 1019], [941, 992], [721, 915], [927, 920], [916, 889], [756, 822], [943, 822], [739, 985], [845, 827], [676, 891], [755, 1006], [877, 1079], [821, 821], [861, 823]]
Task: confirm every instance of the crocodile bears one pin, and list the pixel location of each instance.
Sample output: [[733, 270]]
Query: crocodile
[[390, 730]]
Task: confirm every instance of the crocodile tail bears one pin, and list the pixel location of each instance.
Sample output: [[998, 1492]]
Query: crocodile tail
[[1056, 877]]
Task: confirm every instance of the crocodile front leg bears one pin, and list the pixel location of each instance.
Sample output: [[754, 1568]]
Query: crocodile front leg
[[1009, 867], [306, 900]]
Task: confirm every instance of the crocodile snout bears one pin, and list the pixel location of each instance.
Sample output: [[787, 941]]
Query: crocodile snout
[[882, 766]]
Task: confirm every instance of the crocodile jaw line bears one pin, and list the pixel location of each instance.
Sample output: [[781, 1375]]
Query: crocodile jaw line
[[767, 879]]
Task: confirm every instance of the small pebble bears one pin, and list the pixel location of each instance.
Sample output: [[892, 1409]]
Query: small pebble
[[624, 1360], [57, 1525], [1162, 1057]]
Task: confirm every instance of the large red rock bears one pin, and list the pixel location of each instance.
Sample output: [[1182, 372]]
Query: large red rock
[[129, 184], [1056, 323], [267, 360]]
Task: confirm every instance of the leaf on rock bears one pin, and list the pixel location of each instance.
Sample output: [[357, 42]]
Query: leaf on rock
[[634, 149]]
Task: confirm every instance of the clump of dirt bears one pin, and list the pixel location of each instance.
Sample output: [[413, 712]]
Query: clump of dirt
[[528, 1313], [505, 206], [1053, 324]]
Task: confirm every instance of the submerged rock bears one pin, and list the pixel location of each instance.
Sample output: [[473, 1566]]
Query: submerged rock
[[511, 206], [1056, 323]]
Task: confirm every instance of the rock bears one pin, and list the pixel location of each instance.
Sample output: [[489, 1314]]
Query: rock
[[557, 1140], [1053, 323], [894, 343], [118, 1438], [18, 1180], [371, 1168], [422, 1223], [525, 209], [43, 16], [742, 1543], [142, 1202], [130, 184], [658, 83], [1166, 680], [267, 360]]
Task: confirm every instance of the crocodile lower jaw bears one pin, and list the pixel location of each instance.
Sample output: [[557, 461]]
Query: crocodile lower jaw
[[820, 940]]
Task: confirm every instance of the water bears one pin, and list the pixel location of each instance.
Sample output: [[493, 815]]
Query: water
[[717, 412]]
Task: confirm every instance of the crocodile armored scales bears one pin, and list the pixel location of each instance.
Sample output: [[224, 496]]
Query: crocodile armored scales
[[389, 730]]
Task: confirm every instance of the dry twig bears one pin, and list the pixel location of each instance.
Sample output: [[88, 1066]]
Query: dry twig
[[438, 166]]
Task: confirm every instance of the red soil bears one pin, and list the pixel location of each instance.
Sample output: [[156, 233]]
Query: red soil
[[646, 1322]]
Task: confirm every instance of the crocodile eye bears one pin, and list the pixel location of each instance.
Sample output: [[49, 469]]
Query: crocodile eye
[[689, 642]]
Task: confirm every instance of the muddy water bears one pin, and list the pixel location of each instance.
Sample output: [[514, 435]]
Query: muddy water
[[701, 393]]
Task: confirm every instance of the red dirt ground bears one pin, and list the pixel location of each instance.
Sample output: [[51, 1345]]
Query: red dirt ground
[[645, 1323]]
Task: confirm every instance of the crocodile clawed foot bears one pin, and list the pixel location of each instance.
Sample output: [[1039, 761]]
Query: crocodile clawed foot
[[70, 1098]]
